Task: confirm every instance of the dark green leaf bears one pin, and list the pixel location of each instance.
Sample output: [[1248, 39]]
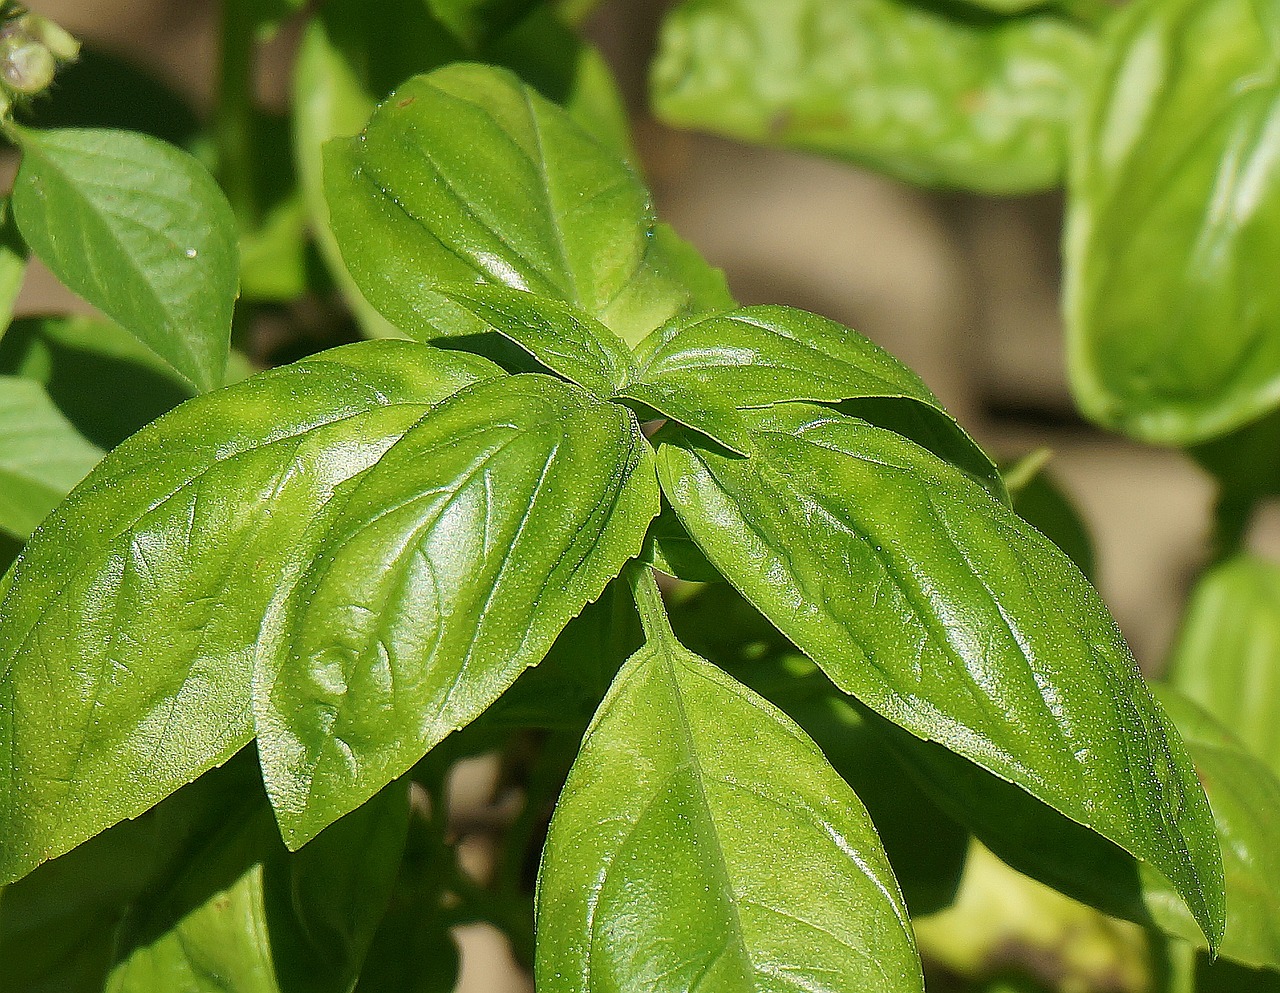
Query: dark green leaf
[[199, 896], [1227, 658], [699, 370], [464, 175], [565, 689], [131, 621], [1244, 461], [702, 841], [1172, 301], [560, 338], [948, 615], [100, 377], [140, 230], [925, 847], [1039, 501], [1227, 977], [436, 579], [670, 550], [479, 21], [923, 91], [1245, 796], [42, 455]]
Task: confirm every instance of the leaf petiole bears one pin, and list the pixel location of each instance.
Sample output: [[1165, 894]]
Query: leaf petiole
[[653, 612]]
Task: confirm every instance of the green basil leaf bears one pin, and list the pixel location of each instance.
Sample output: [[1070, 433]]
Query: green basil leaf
[[42, 455], [698, 370], [1227, 657], [140, 230], [1245, 796], [702, 840], [922, 92], [442, 574], [352, 55], [464, 175], [561, 338], [130, 621], [1171, 298], [13, 263], [952, 618]]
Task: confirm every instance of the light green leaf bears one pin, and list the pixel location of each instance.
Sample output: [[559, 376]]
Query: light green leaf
[[436, 579], [42, 455], [951, 617], [558, 337], [13, 263], [140, 230], [353, 54], [467, 175], [702, 841], [1174, 221], [910, 89], [1227, 657], [670, 550], [700, 370], [131, 619], [102, 379], [1245, 796]]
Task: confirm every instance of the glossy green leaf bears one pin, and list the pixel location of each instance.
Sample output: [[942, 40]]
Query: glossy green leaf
[[140, 230], [951, 617], [441, 575], [1227, 657], [698, 370], [352, 55], [102, 379], [1171, 299], [42, 455], [132, 618], [560, 338], [467, 175], [702, 841], [1245, 796], [13, 263], [920, 91]]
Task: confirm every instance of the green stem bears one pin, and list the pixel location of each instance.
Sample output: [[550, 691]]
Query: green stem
[[1232, 515], [233, 125], [653, 612]]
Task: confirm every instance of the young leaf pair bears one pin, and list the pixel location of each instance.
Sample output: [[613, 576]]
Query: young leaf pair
[[350, 557]]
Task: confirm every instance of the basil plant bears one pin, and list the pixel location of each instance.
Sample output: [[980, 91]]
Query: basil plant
[[753, 619]]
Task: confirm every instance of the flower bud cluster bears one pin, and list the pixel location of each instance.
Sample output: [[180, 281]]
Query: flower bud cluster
[[31, 49]]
